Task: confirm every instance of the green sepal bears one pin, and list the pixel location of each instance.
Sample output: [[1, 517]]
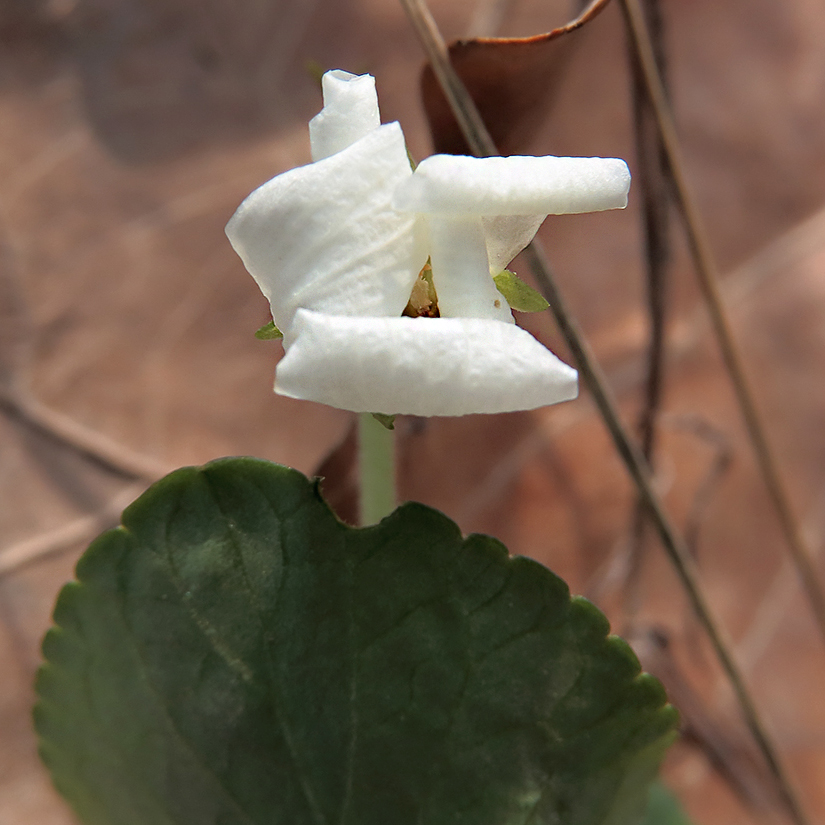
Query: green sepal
[[519, 295], [387, 421], [268, 332]]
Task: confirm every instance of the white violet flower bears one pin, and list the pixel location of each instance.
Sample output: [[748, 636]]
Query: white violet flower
[[338, 245]]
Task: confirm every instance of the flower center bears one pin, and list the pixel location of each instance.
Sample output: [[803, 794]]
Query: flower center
[[423, 301]]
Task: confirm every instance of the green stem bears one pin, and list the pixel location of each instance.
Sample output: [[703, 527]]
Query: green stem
[[376, 468]]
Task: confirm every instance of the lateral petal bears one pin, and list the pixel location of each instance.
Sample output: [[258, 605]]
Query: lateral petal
[[516, 185], [506, 236], [325, 237], [420, 366]]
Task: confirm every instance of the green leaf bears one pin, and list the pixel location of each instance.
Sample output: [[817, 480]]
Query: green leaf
[[519, 295], [384, 420], [663, 808], [268, 332], [233, 654]]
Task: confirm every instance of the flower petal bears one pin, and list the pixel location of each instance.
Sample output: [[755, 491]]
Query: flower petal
[[325, 236], [506, 236], [461, 274], [420, 366], [350, 112], [518, 185]]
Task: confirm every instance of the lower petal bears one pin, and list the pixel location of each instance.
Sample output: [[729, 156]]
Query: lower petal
[[420, 366]]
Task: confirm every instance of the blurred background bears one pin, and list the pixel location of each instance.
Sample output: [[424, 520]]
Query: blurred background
[[130, 130]]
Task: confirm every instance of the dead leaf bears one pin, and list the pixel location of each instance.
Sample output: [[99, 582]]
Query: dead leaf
[[513, 81]]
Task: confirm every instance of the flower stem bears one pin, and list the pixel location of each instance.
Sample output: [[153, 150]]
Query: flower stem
[[376, 469]]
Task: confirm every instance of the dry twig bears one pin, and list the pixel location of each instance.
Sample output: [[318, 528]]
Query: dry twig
[[651, 178], [89, 443], [68, 535], [722, 745], [708, 281]]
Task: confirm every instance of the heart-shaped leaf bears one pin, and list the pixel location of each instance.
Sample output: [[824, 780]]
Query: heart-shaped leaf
[[234, 654]]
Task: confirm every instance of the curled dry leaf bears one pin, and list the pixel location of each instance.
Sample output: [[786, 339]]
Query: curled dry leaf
[[511, 80]]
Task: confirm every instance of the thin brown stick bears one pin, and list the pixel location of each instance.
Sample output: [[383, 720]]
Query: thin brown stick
[[701, 726], [675, 546], [652, 180], [776, 604], [42, 546], [705, 492], [655, 211], [708, 280], [92, 445], [481, 143]]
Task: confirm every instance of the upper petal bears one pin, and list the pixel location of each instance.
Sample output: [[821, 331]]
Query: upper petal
[[517, 185], [350, 112], [325, 236], [420, 366]]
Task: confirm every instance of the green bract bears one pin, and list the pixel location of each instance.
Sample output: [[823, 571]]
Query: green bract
[[520, 296], [268, 332], [234, 654]]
